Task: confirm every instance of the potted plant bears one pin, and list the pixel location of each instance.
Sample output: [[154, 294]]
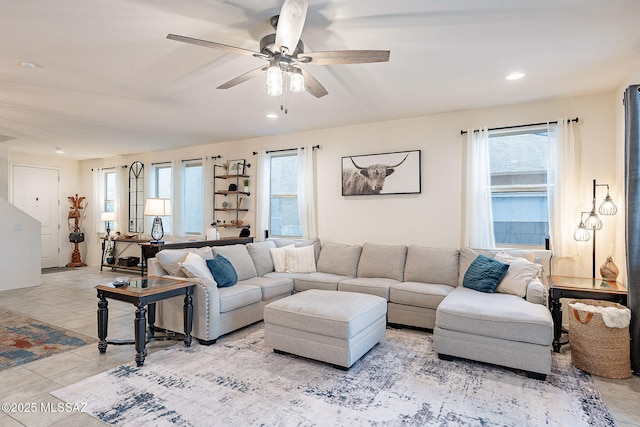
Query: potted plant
[[246, 185], [111, 254]]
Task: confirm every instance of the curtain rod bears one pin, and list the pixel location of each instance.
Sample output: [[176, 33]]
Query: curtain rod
[[555, 122], [315, 147], [191, 160]]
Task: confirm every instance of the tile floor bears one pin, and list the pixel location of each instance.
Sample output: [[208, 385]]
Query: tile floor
[[68, 299]]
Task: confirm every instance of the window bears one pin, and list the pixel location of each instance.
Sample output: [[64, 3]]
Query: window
[[283, 197], [193, 206], [162, 189], [518, 163], [109, 195]]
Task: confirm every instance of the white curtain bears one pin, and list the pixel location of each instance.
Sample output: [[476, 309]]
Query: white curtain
[[478, 231], [176, 221], [561, 179], [97, 176], [307, 193], [262, 195], [121, 208]]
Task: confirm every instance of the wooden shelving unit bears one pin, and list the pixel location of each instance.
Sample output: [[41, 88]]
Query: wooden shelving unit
[[230, 216]]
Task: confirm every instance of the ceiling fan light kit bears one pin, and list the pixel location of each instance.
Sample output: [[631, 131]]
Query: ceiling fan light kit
[[285, 62]]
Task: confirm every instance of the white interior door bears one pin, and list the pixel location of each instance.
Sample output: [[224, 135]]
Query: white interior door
[[36, 191]]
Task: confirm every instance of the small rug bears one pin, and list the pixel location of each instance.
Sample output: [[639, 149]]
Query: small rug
[[23, 339], [401, 381]]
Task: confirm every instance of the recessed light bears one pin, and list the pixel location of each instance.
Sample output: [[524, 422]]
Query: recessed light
[[27, 64], [59, 150], [517, 75], [272, 116]]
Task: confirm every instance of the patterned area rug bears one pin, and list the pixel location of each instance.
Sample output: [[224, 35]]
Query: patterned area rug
[[23, 339], [401, 381]]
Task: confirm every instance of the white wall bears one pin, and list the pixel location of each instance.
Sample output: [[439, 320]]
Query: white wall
[[434, 217], [20, 250]]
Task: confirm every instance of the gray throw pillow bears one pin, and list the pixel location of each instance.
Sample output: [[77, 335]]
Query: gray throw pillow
[[382, 261], [261, 256], [432, 265], [239, 257], [339, 259]]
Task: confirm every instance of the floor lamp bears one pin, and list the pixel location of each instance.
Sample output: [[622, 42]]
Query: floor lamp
[[593, 223]]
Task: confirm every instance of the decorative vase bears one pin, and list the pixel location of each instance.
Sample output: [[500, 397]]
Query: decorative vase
[[609, 270]]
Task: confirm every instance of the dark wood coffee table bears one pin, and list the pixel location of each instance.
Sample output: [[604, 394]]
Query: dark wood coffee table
[[579, 287], [143, 292]]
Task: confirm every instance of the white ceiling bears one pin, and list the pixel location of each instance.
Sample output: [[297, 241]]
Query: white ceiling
[[108, 82]]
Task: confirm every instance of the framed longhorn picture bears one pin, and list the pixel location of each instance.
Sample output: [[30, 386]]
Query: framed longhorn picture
[[385, 173]]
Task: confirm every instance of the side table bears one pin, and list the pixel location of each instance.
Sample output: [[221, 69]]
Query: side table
[[579, 287], [143, 292]]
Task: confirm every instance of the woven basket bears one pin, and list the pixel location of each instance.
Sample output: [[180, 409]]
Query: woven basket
[[596, 348]]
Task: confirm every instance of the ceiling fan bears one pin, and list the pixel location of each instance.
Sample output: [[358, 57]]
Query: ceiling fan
[[284, 52]]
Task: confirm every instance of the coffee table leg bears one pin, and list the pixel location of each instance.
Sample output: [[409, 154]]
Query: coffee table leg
[[140, 329], [556, 314], [151, 320], [188, 316], [103, 320]]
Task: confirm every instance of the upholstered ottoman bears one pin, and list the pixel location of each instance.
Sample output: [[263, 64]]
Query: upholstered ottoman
[[330, 326]]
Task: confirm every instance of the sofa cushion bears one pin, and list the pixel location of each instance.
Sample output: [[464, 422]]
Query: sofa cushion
[[384, 261], [501, 316], [378, 286], [520, 273], [223, 272], [195, 266], [432, 265], [261, 256], [271, 287], [170, 259], [238, 296], [299, 243], [418, 294], [240, 258], [307, 281], [339, 259], [300, 260], [468, 255], [484, 274]]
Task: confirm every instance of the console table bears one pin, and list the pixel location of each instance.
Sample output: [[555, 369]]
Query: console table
[[119, 242], [150, 249], [578, 288]]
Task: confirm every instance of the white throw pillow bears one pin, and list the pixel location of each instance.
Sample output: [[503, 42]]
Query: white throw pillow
[[300, 260], [520, 273], [195, 266], [279, 257]]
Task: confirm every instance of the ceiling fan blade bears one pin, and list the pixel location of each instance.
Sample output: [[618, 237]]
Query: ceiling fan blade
[[242, 78], [290, 24], [345, 57], [312, 85], [214, 45]]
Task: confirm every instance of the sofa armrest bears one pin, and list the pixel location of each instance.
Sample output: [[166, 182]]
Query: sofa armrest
[[536, 292]]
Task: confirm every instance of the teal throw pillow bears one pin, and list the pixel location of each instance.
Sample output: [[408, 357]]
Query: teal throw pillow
[[484, 274], [222, 271]]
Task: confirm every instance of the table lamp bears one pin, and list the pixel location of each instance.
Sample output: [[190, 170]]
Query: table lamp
[[157, 207]]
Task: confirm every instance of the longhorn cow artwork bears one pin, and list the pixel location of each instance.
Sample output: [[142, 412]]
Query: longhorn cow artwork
[[369, 174]]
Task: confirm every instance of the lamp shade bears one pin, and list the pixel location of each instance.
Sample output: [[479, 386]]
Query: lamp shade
[[608, 207], [581, 234], [157, 207], [107, 216], [593, 222]]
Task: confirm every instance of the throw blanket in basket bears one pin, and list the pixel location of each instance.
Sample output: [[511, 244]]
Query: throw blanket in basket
[[613, 317]]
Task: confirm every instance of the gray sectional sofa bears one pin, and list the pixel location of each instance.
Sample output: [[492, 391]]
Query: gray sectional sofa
[[423, 287]]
